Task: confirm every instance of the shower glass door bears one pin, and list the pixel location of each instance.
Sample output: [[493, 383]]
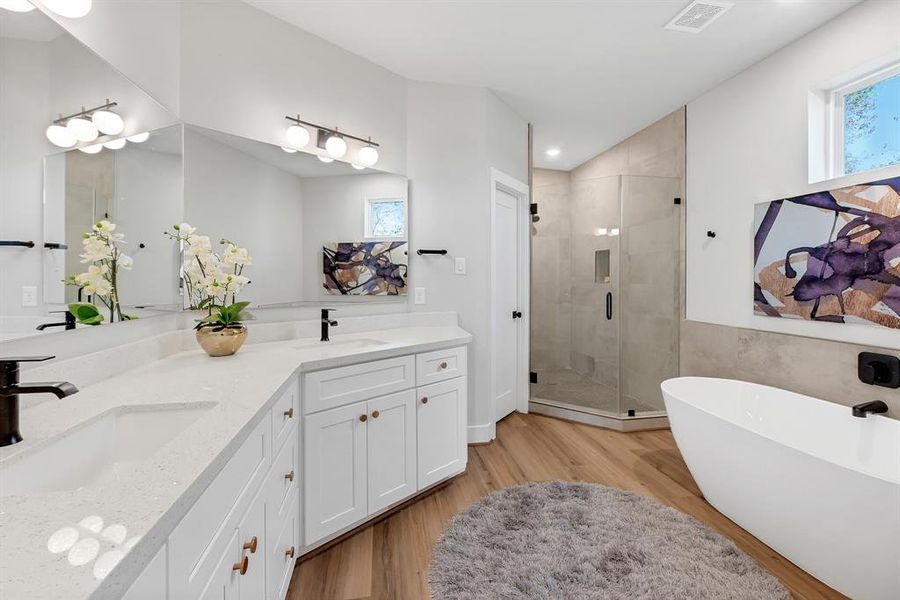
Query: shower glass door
[[605, 292]]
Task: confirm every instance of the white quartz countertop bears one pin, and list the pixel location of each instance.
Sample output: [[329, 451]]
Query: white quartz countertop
[[132, 516]]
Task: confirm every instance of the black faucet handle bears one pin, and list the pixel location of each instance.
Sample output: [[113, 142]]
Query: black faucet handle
[[21, 359]]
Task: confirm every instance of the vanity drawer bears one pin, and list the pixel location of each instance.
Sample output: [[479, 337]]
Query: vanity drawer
[[283, 549], [285, 415], [284, 478], [203, 535], [440, 365], [336, 387]]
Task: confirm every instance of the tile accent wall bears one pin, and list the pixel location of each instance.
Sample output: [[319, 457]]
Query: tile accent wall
[[820, 368]]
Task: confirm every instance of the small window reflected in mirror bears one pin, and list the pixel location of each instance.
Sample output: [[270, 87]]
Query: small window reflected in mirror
[[386, 218]]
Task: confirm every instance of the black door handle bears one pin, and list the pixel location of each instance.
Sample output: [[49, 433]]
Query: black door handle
[[517, 314], [609, 306]]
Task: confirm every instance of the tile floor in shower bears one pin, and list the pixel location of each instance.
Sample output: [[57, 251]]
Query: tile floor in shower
[[568, 387]]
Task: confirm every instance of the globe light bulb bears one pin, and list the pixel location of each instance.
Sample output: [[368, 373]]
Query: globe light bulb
[[115, 144], [138, 138], [72, 9], [368, 156], [335, 146], [357, 167], [325, 159], [288, 150], [17, 5], [61, 136], [108, 122], [82, 129], [297, 136], [92, 149]]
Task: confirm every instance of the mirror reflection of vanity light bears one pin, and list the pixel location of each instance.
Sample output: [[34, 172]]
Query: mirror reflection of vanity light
[[325, 159], [288, 150], [139, 138], [94, 149]]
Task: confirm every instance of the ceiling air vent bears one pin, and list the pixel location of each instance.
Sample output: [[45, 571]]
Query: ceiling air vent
[[698, 15]]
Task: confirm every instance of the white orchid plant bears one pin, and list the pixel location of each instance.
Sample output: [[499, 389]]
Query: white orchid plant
[[212, 281], [101, 250]]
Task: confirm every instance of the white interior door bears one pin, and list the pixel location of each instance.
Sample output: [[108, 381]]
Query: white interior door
[[506, 299]]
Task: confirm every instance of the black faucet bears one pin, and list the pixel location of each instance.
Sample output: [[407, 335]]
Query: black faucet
[[10, 389], [326, 322], [69, 323], [873, 407]]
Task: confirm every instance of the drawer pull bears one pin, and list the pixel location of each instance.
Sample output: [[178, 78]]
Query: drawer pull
[[289, 413], [443, 365], [363, 418], [375, 414], [425, 400], [251, 545], [289, 552], [241, 566], [289, 476]]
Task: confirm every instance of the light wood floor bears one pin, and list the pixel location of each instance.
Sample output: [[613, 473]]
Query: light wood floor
[[389, 560]]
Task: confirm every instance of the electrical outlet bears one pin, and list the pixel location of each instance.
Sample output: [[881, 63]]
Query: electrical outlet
[[29, 295], [460, 266], [420, 295]]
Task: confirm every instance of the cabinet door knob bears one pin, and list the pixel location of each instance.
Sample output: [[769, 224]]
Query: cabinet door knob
[[363, 418], [289, 552], [425, 400], [241, 566], [289, 477], [251, 545], [289, 413], [375, 414], [443, 365]]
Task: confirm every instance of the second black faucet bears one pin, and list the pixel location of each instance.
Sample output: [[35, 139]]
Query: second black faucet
[[326, 323]]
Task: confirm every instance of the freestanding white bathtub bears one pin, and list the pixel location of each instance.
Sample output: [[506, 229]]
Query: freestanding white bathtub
[[815, 483]]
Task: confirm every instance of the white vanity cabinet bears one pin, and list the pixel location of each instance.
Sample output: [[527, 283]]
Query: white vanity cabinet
[[373, 439]]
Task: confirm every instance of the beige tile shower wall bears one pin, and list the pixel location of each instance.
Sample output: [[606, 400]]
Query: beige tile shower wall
[[551, 304], [820, 368]]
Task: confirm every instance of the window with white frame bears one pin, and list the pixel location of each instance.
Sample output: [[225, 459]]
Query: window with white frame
[[865, 123], [386, 218]]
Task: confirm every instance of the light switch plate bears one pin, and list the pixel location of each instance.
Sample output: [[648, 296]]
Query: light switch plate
[[29, 295], [419, 295], [460, 268]]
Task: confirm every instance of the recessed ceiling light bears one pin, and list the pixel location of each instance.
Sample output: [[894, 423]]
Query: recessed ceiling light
[[552, 151]]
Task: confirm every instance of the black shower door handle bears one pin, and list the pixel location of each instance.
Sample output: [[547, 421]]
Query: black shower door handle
[[609, 306]]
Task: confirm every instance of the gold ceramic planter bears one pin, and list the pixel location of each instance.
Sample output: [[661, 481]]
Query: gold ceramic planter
[[224, 342]]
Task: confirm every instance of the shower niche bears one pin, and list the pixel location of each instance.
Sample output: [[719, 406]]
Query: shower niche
[[605, 293]]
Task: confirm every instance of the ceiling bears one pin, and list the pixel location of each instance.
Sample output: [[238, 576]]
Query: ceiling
[[587, 74], [34, 26]]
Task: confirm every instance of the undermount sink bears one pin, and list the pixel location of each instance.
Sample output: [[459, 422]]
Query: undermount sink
[[105, 448], [354, 344]]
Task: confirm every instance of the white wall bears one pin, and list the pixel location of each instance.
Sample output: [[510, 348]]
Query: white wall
[[230, 194], [448, 164], [334, 211], [747, 143], [147, 202], [140, 39], [24, 108], [243, 70]]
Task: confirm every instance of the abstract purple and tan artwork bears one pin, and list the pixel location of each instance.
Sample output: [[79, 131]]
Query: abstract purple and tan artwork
[[831, 256], [365, 268]]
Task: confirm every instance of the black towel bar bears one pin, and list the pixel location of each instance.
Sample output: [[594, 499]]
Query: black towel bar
[[421, 252], [23, 244], [55, 246]]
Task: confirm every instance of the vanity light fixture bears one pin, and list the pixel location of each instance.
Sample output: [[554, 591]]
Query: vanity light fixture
[[357, 167], [288, 150], [21, 6], [93, 149], [335, 142], [138, 138], [324, 159], [85, 125]]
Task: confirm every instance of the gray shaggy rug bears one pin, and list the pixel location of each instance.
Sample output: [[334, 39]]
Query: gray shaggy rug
[[581, 541]]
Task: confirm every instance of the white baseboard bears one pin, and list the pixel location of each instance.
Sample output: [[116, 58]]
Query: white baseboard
[[624, 425], [482, 434]]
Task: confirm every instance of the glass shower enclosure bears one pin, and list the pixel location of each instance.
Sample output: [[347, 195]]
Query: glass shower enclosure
[[605, 293]]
